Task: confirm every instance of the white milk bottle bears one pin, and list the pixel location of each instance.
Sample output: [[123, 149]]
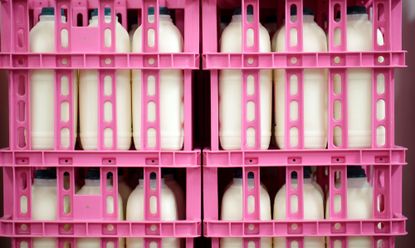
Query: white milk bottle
[[44, 203], [359, 203], [168, 175], [232, 209], [171, 88], [313, 202], [88, 91], [42, 86], [314, 88], [135, 211], [359, 81], [230, 90], [92, 186], [123, 188]]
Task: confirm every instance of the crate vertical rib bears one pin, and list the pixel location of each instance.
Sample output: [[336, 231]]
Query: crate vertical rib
[[79, 9], [65, 192], [250, 30], [19, 83], [150, 127], [107, 124], [337, 28], [294, 124], [251, 190], [120, 8], [382, 193], [62, 77], [109, 193], [294, 201], [382, 111], [23, 195], [152, 203]]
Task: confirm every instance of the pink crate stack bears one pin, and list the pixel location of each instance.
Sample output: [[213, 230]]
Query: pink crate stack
[[383, 161], [89, 216]]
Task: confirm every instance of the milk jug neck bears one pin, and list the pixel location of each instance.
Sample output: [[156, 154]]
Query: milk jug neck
[[238, 181], [162, 18], [92, 182], [152, 182], [238, 18], [305, 181], [358, 17], [357, 182], [44, 182]]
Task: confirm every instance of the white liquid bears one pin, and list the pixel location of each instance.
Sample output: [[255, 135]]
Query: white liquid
[[232, 211], [359, 85], [230, 91], [179, 195], [93, 187], [359, 206], [171, 91], [42, 90], [135, 212], [313, 210], [44, 208], [314, 89], [88, 102]]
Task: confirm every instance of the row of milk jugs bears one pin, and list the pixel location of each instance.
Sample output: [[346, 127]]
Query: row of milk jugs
[[128, 90], [315, 87], [44, 205], [359, 206]]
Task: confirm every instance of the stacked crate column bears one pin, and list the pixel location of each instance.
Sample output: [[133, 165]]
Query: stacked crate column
[[294, 123], [107, 125], [337, 77], [64, 83]]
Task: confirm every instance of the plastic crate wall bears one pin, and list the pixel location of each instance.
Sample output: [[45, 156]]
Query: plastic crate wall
[[89, 54], [383, 162], [88, 215]]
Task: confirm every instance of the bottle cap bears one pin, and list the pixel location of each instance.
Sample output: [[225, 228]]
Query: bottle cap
[[238, 11], [107, 12], [237, 173], [47, 11], [356, 10], [162, 11], [46, 173], [306, 173], [306, 11], [93, 174], [355, 172]]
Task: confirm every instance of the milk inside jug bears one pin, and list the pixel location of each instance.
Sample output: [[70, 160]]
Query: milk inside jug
[[230, 90], [168, 175], [44, 203], [313, 202], [123, 188], [359, 82], [168, 208], [92, 186], [88, 102], [359, 203], [314, 88], [231, 209], [171, 89], [42, 87]]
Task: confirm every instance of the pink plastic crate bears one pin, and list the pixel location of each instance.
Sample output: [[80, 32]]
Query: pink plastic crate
[[274, 168], [19, 16], [382, 60], [383, 162], [89, 217]]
